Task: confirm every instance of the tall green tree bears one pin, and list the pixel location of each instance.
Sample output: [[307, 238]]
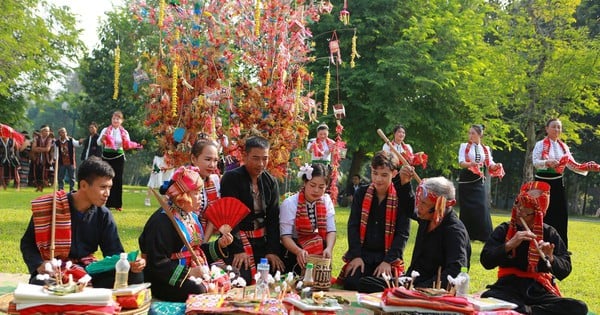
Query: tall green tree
[[96, 74], [549, 67], [37, 41]]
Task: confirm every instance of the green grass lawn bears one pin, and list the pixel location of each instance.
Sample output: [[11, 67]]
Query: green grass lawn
[[584, 236]]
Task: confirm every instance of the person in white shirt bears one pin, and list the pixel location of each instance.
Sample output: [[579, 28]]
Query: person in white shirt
[[307, 219]]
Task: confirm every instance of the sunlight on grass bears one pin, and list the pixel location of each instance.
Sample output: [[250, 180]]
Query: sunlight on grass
[[584, 236]]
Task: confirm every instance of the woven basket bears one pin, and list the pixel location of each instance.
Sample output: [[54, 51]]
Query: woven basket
[[321, 271]]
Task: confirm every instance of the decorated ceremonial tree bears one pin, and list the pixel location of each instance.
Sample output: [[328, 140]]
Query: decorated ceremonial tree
[[242, 60]]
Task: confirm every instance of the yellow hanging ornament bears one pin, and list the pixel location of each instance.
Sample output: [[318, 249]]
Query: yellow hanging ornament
[[354, 53], [257, 18], [174, 89], [326, 97], [161, 13], [298, 91], [117, 66]]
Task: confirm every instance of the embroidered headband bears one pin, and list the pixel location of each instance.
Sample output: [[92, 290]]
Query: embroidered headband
[[185, 179], [306, 170], [423, 193]]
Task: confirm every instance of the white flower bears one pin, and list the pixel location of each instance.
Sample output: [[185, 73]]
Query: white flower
[[299, 285], [68, 264], [231, 275], [277, 276], [85, 279], [206, 277], [42, 276], [414, 274], [241, 282], [229, 268], [270, 279], [306, 170], [277, 289], [290, 277], [212, 286], [205, 269], [48, 267]]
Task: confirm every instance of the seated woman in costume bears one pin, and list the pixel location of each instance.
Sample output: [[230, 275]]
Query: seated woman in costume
[[306, 219], [529, 255], [174, 270]]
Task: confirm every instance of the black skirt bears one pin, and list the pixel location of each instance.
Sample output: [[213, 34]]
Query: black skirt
[[474, 206]]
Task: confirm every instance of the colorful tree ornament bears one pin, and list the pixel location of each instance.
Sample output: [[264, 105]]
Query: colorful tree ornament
[[345, 14], [117, 69]]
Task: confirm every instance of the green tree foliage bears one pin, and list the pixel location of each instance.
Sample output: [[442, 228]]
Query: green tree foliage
[[549, 68], [96, 74], [37, 40]]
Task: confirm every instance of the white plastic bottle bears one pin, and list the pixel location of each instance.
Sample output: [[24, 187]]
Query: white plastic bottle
[[261, 285], [308, 275], [463, 288], [121, 272]]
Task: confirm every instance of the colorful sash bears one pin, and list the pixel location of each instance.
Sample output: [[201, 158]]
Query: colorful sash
[[127, 144], [543, 278], [42, 221], [194, 235], [497, 172], [211, 195], [310, 238], [318, 148], [391, 208], [244, 236], [567, 159]]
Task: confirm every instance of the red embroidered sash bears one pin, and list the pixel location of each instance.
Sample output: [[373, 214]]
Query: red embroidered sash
[[391, 208], [567, 160], [319, 149], [497, 172], [211, 196], [127, 144], [248, 249], [311, 239], [543, 278], [42, 221]]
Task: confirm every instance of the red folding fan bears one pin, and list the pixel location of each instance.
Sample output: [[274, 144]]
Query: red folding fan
[[225, 213]]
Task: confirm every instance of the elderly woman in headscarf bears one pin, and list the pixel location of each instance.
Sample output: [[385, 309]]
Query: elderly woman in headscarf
[[530, 255], [173, 269], [442, 243]]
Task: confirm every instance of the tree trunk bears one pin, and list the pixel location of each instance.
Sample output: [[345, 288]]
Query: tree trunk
[[528, 163], [358, 158]]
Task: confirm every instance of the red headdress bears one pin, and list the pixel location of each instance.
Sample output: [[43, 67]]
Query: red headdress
[[535, 196]]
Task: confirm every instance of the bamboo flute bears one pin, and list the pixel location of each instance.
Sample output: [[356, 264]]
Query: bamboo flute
[[548, 264], [393, 149]]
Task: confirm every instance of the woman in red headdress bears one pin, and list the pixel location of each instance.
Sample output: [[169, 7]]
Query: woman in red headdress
[[172, 268], [524, 277]]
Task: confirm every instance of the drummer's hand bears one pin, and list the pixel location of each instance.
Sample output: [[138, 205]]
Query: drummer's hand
[[225, 240], [241, 261], [275, 262], [355, 264], [383, 268], [138, 265], [406, 174]]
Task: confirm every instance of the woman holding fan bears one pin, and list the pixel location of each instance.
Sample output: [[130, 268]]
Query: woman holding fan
[[307, 222], [174, 270]]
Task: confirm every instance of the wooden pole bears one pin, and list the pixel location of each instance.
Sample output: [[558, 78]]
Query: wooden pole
[[53, 224], [400, 157], [163, 203]]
